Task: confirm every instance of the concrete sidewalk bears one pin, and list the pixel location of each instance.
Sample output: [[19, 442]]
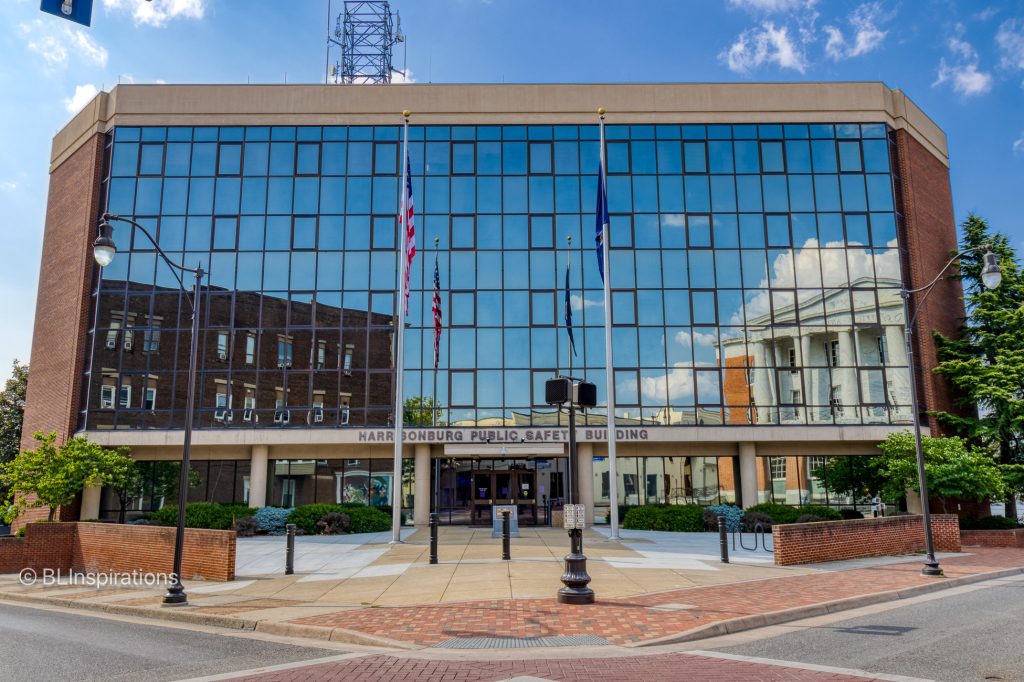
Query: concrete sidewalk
[[651, 587]]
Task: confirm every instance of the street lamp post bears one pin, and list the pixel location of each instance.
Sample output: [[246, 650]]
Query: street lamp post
[[990, 277], [104, 250], [559, 391]]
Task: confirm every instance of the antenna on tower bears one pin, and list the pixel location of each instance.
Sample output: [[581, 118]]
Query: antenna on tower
[[365, 34]]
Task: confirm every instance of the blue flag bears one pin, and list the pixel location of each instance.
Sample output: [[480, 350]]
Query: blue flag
[[568, 312], [602, 219]]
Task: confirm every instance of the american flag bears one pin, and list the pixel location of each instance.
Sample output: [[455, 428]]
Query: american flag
[[436, 307], [409, 231]]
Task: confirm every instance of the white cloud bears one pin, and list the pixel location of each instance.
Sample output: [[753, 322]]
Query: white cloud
[[1010, 39], [867, 36], [62, 46], [770, 6], [985, 14], [398, 77], [766, 44], [83, 95], [8, 185], [963, 73], [1018, 144], [158, 12]]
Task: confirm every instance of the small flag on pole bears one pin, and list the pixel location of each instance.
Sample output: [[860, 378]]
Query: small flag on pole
[[568, 312], [409, 232], [602, 219], [436, 308]]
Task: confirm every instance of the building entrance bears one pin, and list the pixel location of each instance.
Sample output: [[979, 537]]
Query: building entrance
[[466, 489]]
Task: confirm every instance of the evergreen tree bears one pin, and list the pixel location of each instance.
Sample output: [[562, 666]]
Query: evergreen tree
[[986, 363], [12, 410]]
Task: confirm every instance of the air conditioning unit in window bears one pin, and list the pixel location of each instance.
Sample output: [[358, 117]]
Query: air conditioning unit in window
[[318, 415], [222, 414], [127, 341], [281, 416], [248, 415], [222, 355], [111, 343]]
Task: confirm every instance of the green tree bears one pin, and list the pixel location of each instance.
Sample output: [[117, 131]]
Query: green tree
[[12, 410], [420, 411], [53, 475], [855, 476], [986, 363], [953, 469]]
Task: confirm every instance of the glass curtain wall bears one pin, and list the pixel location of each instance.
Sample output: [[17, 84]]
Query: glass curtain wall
[[754, 271]]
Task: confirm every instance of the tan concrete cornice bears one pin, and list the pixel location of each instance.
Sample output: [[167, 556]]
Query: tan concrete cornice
[[442, 104]]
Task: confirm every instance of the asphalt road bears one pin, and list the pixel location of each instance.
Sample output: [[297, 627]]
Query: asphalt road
[[38, 644], [974, 636]]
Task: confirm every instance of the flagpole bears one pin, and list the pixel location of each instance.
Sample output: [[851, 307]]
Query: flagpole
[[613, 476], [396, 484], [433, 412]]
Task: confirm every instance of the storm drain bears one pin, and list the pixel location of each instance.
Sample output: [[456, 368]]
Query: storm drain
[[520, 642]]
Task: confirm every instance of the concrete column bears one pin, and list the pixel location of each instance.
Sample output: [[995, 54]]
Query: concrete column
[[762, 377], [748, 473], [808, 375], [258, 476], [585, 457], [90, 502], [421, 485], [848, 360]]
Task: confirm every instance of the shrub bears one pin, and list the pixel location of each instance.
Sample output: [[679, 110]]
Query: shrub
[[20, 533], [203, 515], [996, 523], [808, 518], [823, 513], [272, 519], [679, 518], [362, 519], [849, 514], [777, 513], [333, 523], [733, 516], [246, 526], [752, 518]]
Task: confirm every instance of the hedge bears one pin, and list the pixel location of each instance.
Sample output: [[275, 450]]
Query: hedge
[[203, 515], [363, 519], [988, 523], [680, 518], [781, 514]]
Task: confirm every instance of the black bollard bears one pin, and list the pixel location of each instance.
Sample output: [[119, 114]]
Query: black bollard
[[506, 537], [433, 538], [723, 541], [289, 557]]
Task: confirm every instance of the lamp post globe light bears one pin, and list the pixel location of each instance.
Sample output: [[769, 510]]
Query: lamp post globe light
[[991, 276], [104, 249]]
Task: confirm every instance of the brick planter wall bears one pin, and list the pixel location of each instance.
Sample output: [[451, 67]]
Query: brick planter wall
[[1013, 537], [808, 543], [115, 548]]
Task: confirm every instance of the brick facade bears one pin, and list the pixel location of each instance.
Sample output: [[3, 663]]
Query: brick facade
[[927, 241], [808, 543], [62, 304], [993, 538], [112, 548]]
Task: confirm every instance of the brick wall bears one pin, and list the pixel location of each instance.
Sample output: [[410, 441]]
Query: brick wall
[[115, 548], [807, 543], [993, 538], [927, 240], [62, 304]]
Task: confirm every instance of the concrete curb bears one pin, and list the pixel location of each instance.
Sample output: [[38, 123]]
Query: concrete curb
[[339, 635], [753, 621]]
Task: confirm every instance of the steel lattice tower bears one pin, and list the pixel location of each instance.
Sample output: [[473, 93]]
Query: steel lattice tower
[[365, 37]]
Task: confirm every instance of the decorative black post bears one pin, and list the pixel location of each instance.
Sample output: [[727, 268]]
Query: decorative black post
[[559, 391], [506, 536], [723, 540], [289, 556], [433, 538]]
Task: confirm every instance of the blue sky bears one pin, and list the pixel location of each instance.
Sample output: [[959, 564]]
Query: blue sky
[[962, 62]]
